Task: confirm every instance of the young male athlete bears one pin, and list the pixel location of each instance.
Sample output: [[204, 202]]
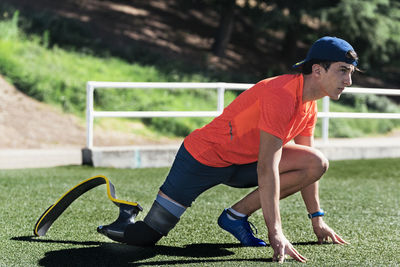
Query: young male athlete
[[248, 145]]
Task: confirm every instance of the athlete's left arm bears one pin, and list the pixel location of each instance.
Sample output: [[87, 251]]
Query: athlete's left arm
[[310, 196]]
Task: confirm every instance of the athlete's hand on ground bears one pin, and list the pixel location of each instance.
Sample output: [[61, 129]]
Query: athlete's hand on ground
[[324, 232], [282, 247]]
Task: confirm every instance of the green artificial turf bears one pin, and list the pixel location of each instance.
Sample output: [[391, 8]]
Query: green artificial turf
[[361, 199]]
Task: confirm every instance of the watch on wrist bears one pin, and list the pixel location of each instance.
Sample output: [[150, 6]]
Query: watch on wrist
[[316, 214]]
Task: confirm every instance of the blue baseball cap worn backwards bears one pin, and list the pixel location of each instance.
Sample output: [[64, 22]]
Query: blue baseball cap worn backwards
[[329, 49]]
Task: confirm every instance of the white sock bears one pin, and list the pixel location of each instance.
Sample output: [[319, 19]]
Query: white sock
[[236, 213]]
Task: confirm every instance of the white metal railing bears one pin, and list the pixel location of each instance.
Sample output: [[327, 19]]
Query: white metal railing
[[221, 87], [325, 114]]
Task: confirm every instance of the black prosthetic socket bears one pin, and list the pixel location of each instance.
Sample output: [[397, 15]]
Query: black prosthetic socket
[[157, 223], [140, 234], [160, 219]]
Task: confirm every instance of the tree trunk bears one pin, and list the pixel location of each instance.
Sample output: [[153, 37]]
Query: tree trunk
[[225, 28], [289, 46]]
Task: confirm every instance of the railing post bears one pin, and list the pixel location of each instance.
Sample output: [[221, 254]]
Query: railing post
[[221, 92], [325, 120], [89, 114]]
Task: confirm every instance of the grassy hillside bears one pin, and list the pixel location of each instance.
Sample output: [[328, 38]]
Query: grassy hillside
[[58, 76]]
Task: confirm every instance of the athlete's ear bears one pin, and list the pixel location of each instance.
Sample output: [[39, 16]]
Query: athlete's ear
[[316, 69]]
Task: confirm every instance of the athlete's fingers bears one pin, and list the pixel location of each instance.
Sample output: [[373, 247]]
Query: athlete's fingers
[[341, 240], [301, 256], [281, 254], [333, 238], [275, 257], [292, 252]]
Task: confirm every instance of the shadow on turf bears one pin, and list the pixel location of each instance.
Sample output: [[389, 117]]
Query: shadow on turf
[[114, 254], [35, 239], [123, 255]]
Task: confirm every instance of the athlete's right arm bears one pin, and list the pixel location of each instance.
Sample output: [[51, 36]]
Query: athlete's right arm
[[269, 189]]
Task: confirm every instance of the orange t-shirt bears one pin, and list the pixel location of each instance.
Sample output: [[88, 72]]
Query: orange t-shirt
[[273, 105]]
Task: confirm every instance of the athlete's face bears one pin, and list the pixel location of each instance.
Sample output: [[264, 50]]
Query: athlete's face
[[336, 78]]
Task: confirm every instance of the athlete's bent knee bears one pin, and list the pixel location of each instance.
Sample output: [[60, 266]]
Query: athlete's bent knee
[[318, 165]]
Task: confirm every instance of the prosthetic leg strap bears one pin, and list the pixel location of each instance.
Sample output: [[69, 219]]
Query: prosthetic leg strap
[[160, 219], [54, 211]]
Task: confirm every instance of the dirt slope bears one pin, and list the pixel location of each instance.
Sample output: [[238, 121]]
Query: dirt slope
[[28, 123]]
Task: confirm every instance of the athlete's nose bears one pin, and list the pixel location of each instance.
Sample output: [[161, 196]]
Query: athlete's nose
[[348, 82]]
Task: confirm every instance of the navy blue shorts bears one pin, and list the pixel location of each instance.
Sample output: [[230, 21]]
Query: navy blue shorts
[[188, 178]]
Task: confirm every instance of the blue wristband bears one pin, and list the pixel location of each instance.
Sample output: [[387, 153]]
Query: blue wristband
[[316, 214]]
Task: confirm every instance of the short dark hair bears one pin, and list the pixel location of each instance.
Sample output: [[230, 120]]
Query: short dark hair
[[307, 66], [352, 55]]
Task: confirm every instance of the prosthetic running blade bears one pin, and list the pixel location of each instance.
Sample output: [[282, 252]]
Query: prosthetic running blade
[[128, 210]]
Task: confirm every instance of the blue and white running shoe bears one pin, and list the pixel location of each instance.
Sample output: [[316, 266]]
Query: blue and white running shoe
[[240, 229]]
